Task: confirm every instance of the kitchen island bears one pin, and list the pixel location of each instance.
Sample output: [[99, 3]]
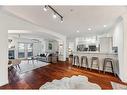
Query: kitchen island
[[101, 56]]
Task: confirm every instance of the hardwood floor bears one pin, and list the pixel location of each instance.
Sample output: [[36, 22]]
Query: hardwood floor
[[34, 79]]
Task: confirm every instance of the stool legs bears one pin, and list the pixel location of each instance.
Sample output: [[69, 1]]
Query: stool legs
[[80, 64], [106, 60], [86, 61], [76, 60], [104, 66], [98, 65], [95, 59], [91, 65]]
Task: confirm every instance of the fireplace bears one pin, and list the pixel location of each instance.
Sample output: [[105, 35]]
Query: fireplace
[[11, 54]]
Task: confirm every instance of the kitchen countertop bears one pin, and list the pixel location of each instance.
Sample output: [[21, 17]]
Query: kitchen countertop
[[95, 53]]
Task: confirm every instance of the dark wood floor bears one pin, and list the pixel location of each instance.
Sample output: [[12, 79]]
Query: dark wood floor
[[34, 79]]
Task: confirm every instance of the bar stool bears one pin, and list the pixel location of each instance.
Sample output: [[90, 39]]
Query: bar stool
[[84, 58], [108, 60], [76, 61], [97, 62]]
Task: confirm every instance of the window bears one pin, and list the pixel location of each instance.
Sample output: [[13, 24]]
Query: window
[[29, 50], [21, 50], [25, 50]]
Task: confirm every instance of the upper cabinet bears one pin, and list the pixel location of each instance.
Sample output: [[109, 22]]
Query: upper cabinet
[[106, 44], [95, 43], [87, 43]]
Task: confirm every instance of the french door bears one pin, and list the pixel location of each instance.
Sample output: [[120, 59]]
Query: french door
[[25, 50]]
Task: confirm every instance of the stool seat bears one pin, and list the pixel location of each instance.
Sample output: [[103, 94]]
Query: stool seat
[[97, 63], [108, 59], [94, 58]]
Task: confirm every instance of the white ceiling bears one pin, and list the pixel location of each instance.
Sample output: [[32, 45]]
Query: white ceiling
[[75, 18]]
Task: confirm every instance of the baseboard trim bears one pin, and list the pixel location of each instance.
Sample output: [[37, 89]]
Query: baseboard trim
[[4, 83], [123, 80]]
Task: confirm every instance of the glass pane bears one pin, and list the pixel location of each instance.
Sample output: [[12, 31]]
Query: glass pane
[[21, 50], [29, 50]]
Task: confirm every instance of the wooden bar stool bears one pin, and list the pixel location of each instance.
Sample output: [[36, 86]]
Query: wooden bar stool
[[108, 61], [84, 58], [97, 62], [76, 61]]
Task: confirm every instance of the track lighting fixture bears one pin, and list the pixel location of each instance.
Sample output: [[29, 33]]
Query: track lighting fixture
[[55, 13]]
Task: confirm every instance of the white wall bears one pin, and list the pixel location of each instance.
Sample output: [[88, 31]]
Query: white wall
[[62, 50], [123, 47], [116, 35], [3, 55], [119, 41], [71, 46]]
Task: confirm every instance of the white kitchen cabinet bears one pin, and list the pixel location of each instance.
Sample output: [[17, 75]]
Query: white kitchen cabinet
[[106, 44]]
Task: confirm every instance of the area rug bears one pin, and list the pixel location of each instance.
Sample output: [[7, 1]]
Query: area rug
[[74, 82], [26, 66], [118, 86]]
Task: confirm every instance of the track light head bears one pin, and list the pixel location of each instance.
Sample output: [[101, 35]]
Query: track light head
[[61, 20], [54, 16], [45, 8]]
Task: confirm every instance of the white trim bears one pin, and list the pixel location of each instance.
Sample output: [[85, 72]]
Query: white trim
[[4, 83]]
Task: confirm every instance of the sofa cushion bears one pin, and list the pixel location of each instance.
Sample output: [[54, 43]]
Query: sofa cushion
[[42, 55]]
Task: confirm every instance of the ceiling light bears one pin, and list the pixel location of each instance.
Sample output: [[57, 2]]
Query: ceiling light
[[61, 21], [89, 29], [77, 31], [105, 25], [45, 8], [54, 16]]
